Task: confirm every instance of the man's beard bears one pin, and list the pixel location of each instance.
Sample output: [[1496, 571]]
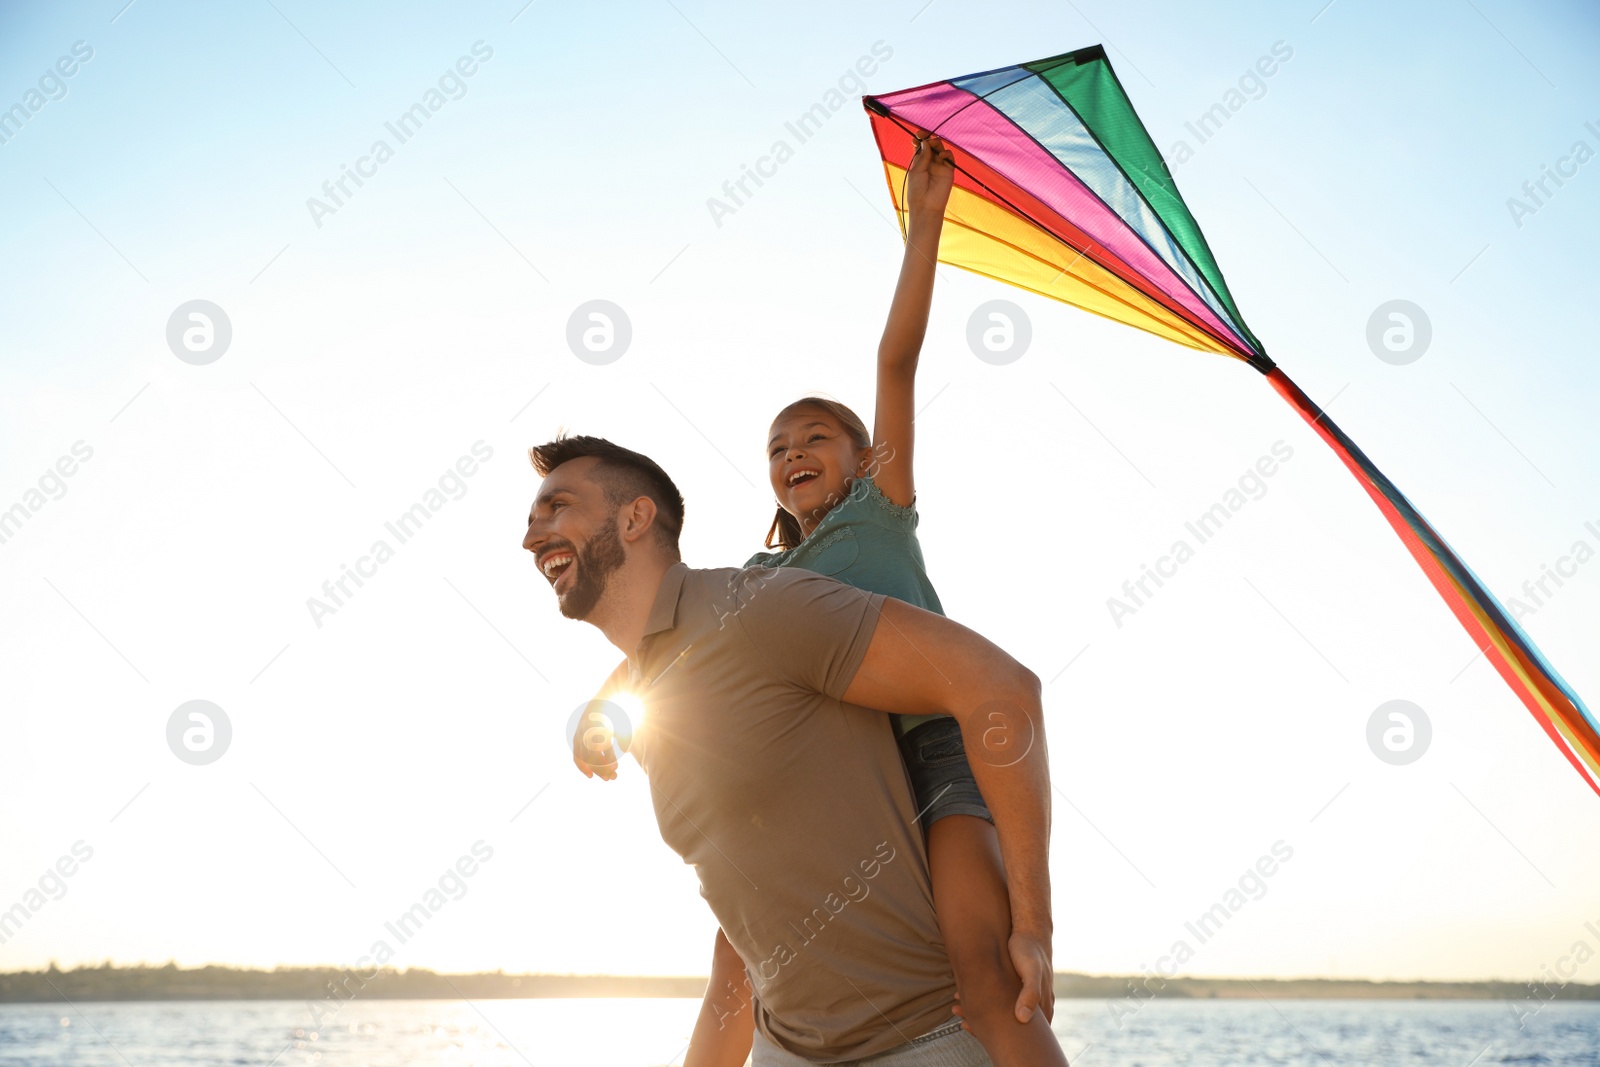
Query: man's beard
[[601, 555]]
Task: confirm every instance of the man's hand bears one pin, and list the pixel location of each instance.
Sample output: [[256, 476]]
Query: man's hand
[[928, 182], [594, 750], [1031, 958], [606, 771]]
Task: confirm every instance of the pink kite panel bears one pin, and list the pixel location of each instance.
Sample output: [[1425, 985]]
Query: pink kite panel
[[975, 125]]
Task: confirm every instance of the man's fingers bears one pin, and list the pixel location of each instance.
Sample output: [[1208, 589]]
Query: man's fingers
[[1027, 1000], [1033, 969]]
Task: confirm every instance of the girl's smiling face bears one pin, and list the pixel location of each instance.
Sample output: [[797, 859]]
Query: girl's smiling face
[[811, 458]]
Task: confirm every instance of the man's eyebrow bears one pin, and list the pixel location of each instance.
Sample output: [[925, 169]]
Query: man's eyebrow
[[549, 495]]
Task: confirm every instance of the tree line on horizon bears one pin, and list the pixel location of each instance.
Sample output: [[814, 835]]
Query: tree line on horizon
[[109, 982]]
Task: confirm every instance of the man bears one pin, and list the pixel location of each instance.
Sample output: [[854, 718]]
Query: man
[[774, 773]]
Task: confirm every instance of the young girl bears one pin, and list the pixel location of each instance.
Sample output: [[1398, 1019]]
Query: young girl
[[847, 509]]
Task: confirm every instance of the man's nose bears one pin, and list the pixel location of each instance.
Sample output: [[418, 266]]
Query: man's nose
[[534, 537]]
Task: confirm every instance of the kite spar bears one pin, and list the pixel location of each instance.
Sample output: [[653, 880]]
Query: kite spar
[[1059, 190]]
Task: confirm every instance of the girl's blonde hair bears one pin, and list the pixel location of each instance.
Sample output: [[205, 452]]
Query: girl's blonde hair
[[785, 533]]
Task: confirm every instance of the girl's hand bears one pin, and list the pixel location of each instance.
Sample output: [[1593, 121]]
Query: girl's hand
[[928, 183]]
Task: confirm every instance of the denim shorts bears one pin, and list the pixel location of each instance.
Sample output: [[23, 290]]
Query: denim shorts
[[941, 778]]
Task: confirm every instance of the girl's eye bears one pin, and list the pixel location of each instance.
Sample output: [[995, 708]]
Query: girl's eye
[[815, 437]]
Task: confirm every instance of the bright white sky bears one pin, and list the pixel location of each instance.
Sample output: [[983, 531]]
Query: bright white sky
[[428, 313]]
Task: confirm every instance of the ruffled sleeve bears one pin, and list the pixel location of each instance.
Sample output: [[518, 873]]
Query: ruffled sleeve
[[870, 499]]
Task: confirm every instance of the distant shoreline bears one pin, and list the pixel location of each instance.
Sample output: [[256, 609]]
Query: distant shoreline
[[333, 984]]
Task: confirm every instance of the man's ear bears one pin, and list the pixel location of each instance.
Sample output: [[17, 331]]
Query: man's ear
[[636, 519]]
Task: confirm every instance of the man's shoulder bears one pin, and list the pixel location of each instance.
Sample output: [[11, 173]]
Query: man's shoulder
[[703, 578], [716, 581], [699, 576], [762, 595]]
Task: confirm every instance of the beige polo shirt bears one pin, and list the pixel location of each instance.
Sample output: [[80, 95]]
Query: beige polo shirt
[[792, 806]]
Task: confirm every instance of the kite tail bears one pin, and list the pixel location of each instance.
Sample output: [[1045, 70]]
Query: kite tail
[[1554, 704]]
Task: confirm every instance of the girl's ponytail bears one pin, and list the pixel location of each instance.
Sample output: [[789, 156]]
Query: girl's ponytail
[[784, 533]]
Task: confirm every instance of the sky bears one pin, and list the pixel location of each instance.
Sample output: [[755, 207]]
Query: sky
[[406, 340]]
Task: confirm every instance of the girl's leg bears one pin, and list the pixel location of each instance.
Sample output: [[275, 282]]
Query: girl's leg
[[723, 1032], [974, 913]]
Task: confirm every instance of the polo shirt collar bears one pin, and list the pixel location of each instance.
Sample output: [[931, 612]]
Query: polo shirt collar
[[664, 612]]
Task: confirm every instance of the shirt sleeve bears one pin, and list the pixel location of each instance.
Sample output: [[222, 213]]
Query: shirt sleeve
[[871, 504], [812, 631]]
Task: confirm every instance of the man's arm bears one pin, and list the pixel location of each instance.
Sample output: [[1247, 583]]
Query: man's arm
[[921, 663]]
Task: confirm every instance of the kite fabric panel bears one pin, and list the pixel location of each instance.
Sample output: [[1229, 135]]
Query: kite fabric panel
[[1059, 190]]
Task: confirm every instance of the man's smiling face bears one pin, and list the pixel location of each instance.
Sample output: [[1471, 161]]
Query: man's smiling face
[[572, 533]]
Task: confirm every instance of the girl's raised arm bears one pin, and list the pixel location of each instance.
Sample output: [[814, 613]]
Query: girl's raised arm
[[927, 191]]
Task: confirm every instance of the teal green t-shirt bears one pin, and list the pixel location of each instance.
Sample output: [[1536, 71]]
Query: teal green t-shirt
[[870, 542]]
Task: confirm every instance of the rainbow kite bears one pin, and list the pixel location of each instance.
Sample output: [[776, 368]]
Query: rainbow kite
[[1059, 190]]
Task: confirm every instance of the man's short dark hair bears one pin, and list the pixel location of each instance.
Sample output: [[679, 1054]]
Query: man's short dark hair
[[625, 475]]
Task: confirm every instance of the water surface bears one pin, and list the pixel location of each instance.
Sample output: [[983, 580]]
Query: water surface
[[655, 1033]]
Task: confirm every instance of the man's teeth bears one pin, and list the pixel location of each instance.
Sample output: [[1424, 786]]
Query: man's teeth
[[554, 564]]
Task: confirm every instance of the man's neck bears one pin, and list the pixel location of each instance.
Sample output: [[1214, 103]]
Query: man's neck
[[624, 608]]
